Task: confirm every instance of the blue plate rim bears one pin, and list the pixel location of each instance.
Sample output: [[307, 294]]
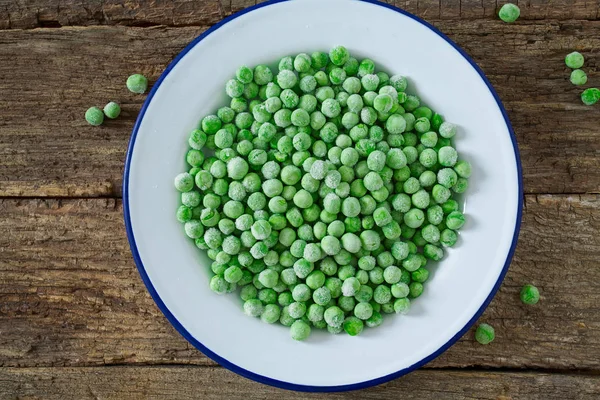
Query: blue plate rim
[[274, 382]]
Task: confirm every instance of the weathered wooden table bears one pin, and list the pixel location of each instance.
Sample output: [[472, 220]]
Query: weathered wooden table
[[75, 318]]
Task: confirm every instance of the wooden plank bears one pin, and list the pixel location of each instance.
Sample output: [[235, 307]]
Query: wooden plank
[[217, 383], [47, 149], [71, 296], [47, 13]]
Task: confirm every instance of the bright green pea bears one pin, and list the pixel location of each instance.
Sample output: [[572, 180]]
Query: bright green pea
[[509, 12], [485, 334], [530, 294], [137, 83]]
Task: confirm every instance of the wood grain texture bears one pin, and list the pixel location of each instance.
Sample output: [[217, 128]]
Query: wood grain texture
[[50, 13], [217, 383], [71, 296], [47, 148]]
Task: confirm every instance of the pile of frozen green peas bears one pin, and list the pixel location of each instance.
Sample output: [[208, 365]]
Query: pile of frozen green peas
[[321, 192], [136, 83]]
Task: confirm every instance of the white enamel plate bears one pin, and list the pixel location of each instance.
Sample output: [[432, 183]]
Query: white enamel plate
[[177, 274]]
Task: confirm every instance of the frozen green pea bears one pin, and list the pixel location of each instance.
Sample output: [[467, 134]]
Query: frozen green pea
[[321, 296], [350, 207], [233, 274], [416, 289], [370, 82], [448, 238], [578, 77], [392, 274], [485, 334], [184, 214], [315, 280], [337, 76], [366, 67], [400, 250], [590, 96], [447, 177], [350, 286], [376, 275], [286, 63], [308, 103], [312, 252], [401, 305], [194, 229], [262, 75], [353, 326], [253, 308], [366, 263], [440, 194], [352, 224], [319, 59], [382, 216], [339, 55], [334, 316], [299, 330], [363, 311], [530, 294], [370, 240], [111, 110], [234, 88], [184, 182], [376, 160], [461, 185], [509, 12], [331, 245], [455, 220], [302, 62], [197, 139], [137, 83], [248, 292], [400, 290], [351, 66], [447, 156], [94, 116], [447, 130], [399, 82], [271, 313], [373, 181], [287, 79], [382, 294], [331, 108], [463, 169], [218, 284], [334, 285], [383, 103], [574, 60], [375, 320], [191, 199]]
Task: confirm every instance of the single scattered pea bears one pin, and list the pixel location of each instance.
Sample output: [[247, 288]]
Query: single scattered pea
[[94, 116], [590, 96], [112, 110], [485, 334], [574, 60], [137, 83], [509, 12], [578, 77], [530, 294]]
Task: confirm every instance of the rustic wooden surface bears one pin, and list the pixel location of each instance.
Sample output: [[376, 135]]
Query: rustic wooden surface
[[75, 318], [209, 383]]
